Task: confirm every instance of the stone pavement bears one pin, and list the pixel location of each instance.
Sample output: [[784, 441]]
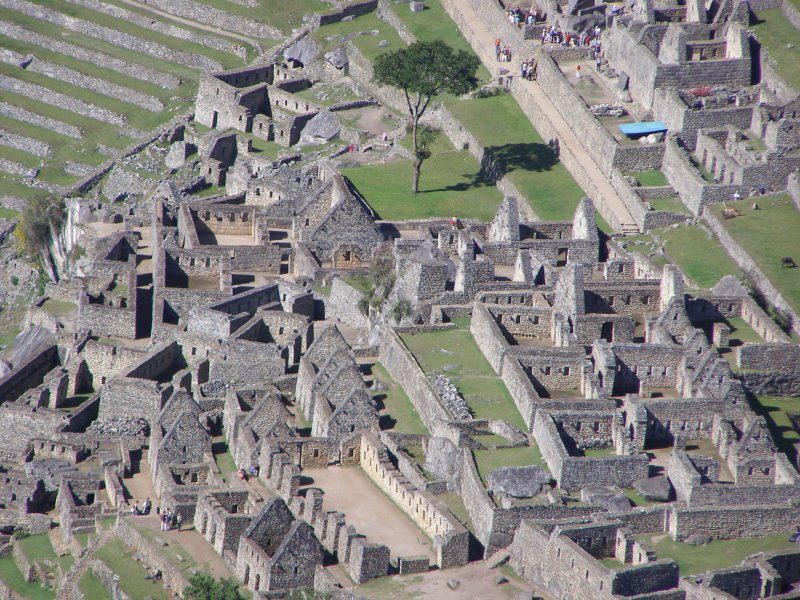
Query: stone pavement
[[482, 41]]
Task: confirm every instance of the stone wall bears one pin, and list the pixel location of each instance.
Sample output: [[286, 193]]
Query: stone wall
[[28, 375], [343, 304], [730, 522]]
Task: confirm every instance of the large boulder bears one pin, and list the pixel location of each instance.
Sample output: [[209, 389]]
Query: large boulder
[[304, 51], [606, 497], [338, 57], [654, 488], [322, 128], [518, 482], [443, 459]]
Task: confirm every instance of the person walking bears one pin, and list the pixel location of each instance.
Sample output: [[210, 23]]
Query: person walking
[[578, 71], [179, 520]]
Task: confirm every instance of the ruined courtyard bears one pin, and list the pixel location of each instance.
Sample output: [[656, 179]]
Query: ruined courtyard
[[234, 342]]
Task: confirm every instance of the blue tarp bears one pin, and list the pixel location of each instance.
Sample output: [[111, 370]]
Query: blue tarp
[[642, 128]]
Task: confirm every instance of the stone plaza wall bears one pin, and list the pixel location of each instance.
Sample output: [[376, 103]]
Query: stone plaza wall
[[731, 522]]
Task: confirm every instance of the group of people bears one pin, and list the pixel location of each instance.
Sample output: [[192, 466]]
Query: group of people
[[565, 38], [168, 518], [502, 52], [519, 17], [144, 510], [527, 69], [245, 475]]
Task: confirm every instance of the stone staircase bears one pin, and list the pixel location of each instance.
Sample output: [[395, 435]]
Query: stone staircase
[[82, 563]]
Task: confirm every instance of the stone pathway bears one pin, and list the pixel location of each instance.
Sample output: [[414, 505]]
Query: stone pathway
[[602, 192]]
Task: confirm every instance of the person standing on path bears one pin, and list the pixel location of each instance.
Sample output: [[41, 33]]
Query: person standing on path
[[497, 49], [578, 71]]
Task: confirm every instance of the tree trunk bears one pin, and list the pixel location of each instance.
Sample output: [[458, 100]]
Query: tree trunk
[[415, 181]]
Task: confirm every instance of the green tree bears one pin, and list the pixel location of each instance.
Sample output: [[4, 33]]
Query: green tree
[[424, 70], [38, 224], [203, 586]]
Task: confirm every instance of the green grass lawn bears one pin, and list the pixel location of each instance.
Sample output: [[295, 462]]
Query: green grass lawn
[[367, 44], [281, 14], [37, 546], [777, 410], [397, 403], [224, 460], [450, 184], [503, 129], [58, 307], [778, 222], [741, 331], [651, 178], [455, 504], [12, 577], [718, 554], [117, 557], [701, 259], [7, 213], [484, 392], [91, 587], [489, 460], [669, 204], [775, 32]]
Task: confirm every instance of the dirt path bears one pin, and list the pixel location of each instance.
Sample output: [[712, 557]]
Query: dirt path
[[602, 192], [194, 24]]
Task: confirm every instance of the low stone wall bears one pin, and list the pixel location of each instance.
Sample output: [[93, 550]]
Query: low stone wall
[[20, 114], [386, 13], [25, 566], [521, 389], [730, 522], [203, 13], [749, 266], [351, 10], [152, 557], [405, 370], [148, 22]]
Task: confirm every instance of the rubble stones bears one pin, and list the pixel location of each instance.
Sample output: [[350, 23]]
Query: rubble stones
[[451, 398], [518, 482], [654, 488], [122, 427], [608, 110]]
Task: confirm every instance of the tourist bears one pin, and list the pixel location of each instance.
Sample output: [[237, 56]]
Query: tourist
[[578, 71], [453, 222], [497, 48], [162, 521], [598, 62], [179, 520], [147, 506]]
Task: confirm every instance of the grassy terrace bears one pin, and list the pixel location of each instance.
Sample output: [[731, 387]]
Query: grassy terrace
[[503, 129], [701, 259], [456, 350], [669, 204], [777, 411], [777, 34], [718, 554], [91, 587], [118, 558], [224, 460], [65, 149], [778, 221], [397, 405], [12, 577], [498, 458], [650, 178], [450, 184]]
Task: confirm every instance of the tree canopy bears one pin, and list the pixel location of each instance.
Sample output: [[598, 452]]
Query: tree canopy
[[204, 587], [424, 70]]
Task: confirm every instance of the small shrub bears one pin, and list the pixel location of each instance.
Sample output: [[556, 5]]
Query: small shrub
[[400, 310], [14, 280]]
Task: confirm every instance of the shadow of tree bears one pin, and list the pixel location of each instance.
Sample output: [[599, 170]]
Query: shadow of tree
[[499, 160]]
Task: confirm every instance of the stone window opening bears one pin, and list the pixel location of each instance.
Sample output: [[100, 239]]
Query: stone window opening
[[645, 299], [316, 453], [536, 319], [546, 370], [194, 478], [307, 222], [566, 371]]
